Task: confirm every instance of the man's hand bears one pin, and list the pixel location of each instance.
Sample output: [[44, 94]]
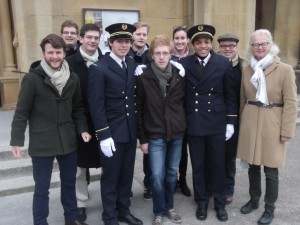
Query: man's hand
[[107, 146], [139, 70], [144, 148], [229, 131], [16, 151], [86, 137], [284, 139], [178, 66]]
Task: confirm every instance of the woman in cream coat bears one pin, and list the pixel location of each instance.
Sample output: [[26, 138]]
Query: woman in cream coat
[[268, 119]]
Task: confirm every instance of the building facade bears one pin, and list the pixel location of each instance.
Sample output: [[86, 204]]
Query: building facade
[[23, 23]]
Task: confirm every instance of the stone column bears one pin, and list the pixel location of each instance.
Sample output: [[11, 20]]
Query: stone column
[[9, 79]]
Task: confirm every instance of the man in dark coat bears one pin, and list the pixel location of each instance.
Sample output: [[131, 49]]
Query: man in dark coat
[[111, 94], [50, 101], [228, 46], [69, 32], [211, 112], [88, 153]]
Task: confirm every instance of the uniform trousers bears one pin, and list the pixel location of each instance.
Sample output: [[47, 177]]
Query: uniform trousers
[[116, 181], [42, 171], [208, 151]]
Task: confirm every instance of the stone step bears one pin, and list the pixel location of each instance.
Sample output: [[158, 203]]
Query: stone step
[[18, 167], [24, 184]]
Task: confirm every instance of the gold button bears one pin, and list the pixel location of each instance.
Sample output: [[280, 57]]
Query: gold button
[[126, 106], [209, 94], [208, 110], [196, 102], [208, 103], [196, 94], [196, 110], [126, 97], [127, 114]]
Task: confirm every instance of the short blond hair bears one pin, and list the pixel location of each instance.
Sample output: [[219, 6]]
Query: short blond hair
[[142, 24], [161, 40]]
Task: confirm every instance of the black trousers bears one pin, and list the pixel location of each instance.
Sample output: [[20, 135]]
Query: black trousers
[[208, 154], [272, 183], [116, 181]]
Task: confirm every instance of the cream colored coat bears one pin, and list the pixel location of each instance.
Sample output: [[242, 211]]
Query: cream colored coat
[[261, 127]]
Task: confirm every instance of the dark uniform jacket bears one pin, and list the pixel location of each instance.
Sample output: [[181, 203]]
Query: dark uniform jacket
[[55, 121], [210, 96], [160, 116], [111, 99], [88, 152]]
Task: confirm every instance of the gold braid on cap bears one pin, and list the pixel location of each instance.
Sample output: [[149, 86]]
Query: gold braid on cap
[[120, 33], [198, 33]]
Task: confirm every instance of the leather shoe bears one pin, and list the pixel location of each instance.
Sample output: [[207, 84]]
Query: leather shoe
[[185, 189], [201, 213], [249, 207], [81, 214], [222, 214], [130, 219], [76, 222], [266, 218]]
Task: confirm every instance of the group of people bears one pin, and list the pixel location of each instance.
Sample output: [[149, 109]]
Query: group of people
[[87, 110]]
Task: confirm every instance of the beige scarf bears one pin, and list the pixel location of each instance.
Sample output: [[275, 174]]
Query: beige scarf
[[58, 78], [235, 60], [90, 59]]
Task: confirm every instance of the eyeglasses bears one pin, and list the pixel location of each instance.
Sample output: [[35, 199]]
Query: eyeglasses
[[232, 46], [69, 32], [179, 28], [158, 54], [257, 45]]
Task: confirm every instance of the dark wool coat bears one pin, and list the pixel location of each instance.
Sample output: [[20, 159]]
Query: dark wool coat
[[88, 152], [55, 121]]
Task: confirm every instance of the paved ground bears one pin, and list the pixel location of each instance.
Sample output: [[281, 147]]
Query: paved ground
[[16, 209]]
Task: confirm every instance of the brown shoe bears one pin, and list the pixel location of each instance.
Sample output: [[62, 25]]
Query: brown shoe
[[228, 199]]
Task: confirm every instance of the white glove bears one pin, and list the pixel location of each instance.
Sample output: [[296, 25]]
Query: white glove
[[107, 146], [229, 131], [178, 66], [139, 69]]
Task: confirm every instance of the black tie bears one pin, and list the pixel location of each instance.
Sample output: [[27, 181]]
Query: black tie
[[202, 63], [124, 67]]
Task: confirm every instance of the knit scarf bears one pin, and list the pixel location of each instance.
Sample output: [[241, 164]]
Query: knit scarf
[[258, 79], [90, 59], [59, 77], [185, 54], [235, 60], [162, 76]]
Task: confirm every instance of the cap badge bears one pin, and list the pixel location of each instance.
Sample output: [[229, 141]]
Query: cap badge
[[200, 28], [124, 27]]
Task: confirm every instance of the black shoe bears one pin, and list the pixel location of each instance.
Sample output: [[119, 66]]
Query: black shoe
[[76, 222], [184, 188], [201, 213], [222, 214], [147, 194], [81, 214], [266, 218], [130, 219], [249, 207]]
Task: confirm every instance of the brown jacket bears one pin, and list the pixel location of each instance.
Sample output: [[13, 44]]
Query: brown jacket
[[160, 117], [261, 127]]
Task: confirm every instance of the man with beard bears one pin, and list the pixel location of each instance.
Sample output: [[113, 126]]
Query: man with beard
[[69, 32]]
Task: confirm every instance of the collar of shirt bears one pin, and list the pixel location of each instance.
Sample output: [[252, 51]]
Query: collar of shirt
[[205, 59], [116, 58]]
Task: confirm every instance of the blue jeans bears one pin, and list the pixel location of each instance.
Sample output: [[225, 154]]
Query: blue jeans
[[164, 158], [42, 171]]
